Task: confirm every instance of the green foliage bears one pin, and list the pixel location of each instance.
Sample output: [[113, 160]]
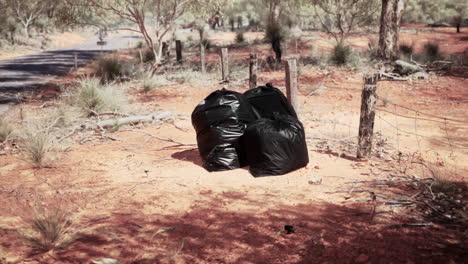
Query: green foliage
[[341, 54], [240, 37]]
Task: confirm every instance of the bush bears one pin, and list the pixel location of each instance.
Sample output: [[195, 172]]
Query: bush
[[110, 68], [47, 226], [139, 45], [35, 146], [240, 37], [5, 130], [207, 44], [432, 52], [150, 83], [341, 54], [406, 50], [148, 56], [93, 98]]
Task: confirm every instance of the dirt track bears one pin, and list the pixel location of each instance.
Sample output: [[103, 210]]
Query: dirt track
[[26, 73]]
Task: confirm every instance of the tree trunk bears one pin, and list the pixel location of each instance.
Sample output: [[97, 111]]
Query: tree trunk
[[390, 18], [276, 46], [458, 27]]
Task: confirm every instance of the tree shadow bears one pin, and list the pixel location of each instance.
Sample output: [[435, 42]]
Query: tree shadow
[[325, 233]]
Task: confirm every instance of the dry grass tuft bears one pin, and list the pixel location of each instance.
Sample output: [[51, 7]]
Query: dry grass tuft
[[47, 224], [94, 98], [5, 130], [36, 147]]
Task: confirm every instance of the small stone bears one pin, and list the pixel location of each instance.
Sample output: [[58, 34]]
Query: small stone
[[315, 180], [316, 167], [362, 258]]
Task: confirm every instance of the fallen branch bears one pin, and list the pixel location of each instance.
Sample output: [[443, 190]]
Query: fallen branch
[[134, 119], [151, 136]]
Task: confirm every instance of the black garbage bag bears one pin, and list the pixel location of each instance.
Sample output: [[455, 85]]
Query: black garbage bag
[[275, 146], [220, 121], [267, 100]]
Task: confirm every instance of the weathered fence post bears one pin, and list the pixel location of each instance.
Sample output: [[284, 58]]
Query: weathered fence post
[[165, 50], [291, 83], [253, 71], [225, 64], [141, 56], [76, 60], [366, 122], [178, 45], [202, 57]]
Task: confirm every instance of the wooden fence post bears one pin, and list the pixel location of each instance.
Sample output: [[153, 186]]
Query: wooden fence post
[[202, 57], [165, 50], [76, 60], [225, 64], [253, 71], [291, 83], [178, 51], [366, 122]]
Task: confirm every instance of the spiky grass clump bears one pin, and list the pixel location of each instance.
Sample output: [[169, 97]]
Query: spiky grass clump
[[432, 51], [5, 130], [150, 83], [36, 147], [47, 225], [341, 54], [111, 68], [94, 98]]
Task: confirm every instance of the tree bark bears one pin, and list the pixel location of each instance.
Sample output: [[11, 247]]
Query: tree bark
[[390, 18]]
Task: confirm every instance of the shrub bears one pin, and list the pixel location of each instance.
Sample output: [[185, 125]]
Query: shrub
[[89, 96], [207, 44], [139, 45], [406, 50], [341, 54], [35, 146], [5, 130], [150, 83], [94, 98], [240, 37], [148, 56], [47, 226], [432, 52], [110, 68]]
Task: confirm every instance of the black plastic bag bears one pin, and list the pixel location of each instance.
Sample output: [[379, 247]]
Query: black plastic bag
[[275, 146], [220, 121], [268, 100]]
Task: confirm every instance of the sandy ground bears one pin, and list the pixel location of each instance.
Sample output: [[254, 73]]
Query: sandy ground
[[139, 203]]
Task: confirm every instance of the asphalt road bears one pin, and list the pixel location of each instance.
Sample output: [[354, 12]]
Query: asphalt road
[[26, 73]]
